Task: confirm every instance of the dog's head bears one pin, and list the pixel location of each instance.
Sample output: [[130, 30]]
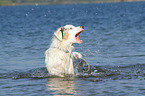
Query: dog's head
[[69, 33]]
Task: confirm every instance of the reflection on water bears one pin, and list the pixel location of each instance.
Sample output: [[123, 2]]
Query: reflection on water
[[61, 86]]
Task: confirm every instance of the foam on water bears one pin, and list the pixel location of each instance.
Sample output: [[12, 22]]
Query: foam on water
[[95, 74]]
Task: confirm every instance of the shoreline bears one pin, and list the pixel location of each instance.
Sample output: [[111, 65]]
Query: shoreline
[[9, 3]]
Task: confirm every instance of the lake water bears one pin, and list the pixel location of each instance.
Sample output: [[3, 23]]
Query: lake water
[[113, 45]]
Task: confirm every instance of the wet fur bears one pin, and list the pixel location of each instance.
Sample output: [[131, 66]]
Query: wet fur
[[59, 57]]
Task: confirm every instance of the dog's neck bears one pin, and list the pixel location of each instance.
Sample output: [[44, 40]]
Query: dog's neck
[[62, 45]]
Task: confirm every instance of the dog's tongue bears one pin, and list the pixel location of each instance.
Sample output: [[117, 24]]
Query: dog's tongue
[[78, 40]]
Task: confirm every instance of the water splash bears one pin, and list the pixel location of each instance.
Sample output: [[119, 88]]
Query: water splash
[[95, 74]]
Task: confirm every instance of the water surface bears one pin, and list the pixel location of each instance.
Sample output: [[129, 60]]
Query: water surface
[[113, 44]]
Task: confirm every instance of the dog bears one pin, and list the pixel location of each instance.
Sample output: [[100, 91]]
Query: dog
[[59, 57]]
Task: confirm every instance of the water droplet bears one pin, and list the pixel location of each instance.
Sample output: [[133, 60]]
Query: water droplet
[[36, 4]]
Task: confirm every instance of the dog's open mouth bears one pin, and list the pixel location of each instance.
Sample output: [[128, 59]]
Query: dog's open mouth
[[77, 37]]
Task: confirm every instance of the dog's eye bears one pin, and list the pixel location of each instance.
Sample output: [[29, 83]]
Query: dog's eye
[[70, 28]]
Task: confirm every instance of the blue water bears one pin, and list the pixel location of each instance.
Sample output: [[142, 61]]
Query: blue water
[[113, 45]]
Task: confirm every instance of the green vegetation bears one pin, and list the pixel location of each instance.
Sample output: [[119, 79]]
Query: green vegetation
[[45, 2], [5, 2]]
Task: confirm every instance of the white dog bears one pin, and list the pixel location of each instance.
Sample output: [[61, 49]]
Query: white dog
[[59, 57]]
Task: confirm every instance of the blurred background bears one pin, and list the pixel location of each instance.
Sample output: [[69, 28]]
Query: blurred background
[[45, 2]]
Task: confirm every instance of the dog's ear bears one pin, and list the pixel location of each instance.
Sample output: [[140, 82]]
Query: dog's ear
[[59, 33]]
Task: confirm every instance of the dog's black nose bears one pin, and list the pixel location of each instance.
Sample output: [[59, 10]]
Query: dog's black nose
[[82, 27]]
